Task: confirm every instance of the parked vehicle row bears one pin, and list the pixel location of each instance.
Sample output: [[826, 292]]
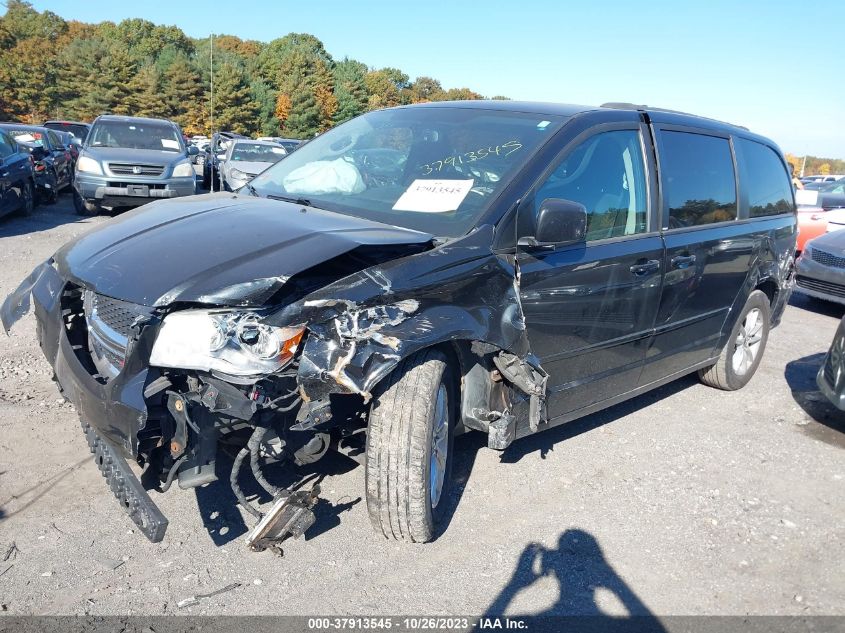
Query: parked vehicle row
[[17, 177], [52, 160], [118, 162], [807, 180]]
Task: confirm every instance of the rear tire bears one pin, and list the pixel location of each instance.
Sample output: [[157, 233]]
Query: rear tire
[[28, 195], [409, 447], [51, 195], [743, 351]]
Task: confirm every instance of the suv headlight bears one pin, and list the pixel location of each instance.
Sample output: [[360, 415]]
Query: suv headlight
[[183, 170], [237, 174], [88, 165], [234, 343]]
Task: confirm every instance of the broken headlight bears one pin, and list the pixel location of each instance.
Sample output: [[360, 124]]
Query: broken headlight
[[234, 343]]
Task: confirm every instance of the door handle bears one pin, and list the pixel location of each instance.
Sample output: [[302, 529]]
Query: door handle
[[683, 261], [3, 174], [645, 267]]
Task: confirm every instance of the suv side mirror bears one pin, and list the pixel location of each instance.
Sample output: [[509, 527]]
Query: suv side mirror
[[193, 150], [558, 222]]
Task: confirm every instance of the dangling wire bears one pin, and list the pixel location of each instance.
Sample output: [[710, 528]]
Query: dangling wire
[[233, 481]]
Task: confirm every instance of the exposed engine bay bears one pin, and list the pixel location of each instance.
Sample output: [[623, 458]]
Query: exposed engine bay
[[279, 370]]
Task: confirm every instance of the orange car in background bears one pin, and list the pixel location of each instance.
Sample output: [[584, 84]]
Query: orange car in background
[[812, 222]]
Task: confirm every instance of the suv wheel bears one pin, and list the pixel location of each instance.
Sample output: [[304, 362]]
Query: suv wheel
[[83, 206], [409, 447], [743, 352]]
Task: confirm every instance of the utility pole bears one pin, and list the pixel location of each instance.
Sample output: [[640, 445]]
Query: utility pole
[[211, 115], [803, 163]]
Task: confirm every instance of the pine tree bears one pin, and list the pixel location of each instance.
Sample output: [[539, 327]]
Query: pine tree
[[117, 70], [146, 96], [324, 94], [304, 118], [350, 89], [296, 83], [234, 108], [183, 92]]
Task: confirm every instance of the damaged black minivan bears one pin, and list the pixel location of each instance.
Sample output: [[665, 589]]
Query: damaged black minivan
[[501, 267]]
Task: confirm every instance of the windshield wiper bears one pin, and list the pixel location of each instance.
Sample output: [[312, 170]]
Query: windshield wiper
[[252, 190], [302, 201]]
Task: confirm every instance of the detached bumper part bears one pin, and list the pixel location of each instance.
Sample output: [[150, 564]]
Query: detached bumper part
[[126, 487], [291, 515]]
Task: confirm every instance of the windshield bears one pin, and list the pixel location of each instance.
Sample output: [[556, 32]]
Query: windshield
[[78, 130], [257, 153], [32, 137], [838, 186], [433, 169], [135, 135]]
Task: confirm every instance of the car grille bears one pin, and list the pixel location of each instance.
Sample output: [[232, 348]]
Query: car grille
[[828, 259], [826, 287], [136, 169], [109, 328]]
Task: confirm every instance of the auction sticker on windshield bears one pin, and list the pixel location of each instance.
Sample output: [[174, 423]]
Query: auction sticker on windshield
[[434, 196]]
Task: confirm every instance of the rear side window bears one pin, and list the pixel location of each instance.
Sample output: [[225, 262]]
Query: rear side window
[[55, 141], [765, 179], [699, 185]]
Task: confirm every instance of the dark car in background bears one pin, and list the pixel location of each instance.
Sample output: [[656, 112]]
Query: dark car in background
[[17, 177], [53, 161], [409, 275], [77, 128], [215, 154], [129, 161], [831, 376]]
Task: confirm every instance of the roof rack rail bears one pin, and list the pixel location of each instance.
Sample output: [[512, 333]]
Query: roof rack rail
[[621, 105]]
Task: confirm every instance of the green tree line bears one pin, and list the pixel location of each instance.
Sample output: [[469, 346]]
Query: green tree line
[[815, 166], [56, 68]]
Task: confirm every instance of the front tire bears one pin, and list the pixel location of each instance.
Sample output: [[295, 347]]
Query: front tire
[[409, 447], [84, 207], [739, 359]]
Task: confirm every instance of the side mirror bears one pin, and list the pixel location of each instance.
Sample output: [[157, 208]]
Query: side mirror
[[193, 150], [558, 222]]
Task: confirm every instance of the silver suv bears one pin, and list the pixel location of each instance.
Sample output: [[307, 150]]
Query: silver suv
[[129, 161]]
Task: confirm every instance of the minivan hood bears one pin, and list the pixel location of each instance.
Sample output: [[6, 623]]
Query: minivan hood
[[126, 155], [215, 248]]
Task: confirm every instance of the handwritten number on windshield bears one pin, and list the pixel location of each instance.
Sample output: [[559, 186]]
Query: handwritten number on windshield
[[503, 150]]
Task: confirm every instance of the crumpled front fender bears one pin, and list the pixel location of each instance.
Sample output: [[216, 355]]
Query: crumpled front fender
[[362, 326]]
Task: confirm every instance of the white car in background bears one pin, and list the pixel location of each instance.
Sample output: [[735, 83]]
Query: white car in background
[[245, 159]]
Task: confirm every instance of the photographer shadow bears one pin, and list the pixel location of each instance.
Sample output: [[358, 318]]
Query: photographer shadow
[[589, 588]]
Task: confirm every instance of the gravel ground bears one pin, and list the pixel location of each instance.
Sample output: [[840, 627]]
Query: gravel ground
[[683, 501]]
